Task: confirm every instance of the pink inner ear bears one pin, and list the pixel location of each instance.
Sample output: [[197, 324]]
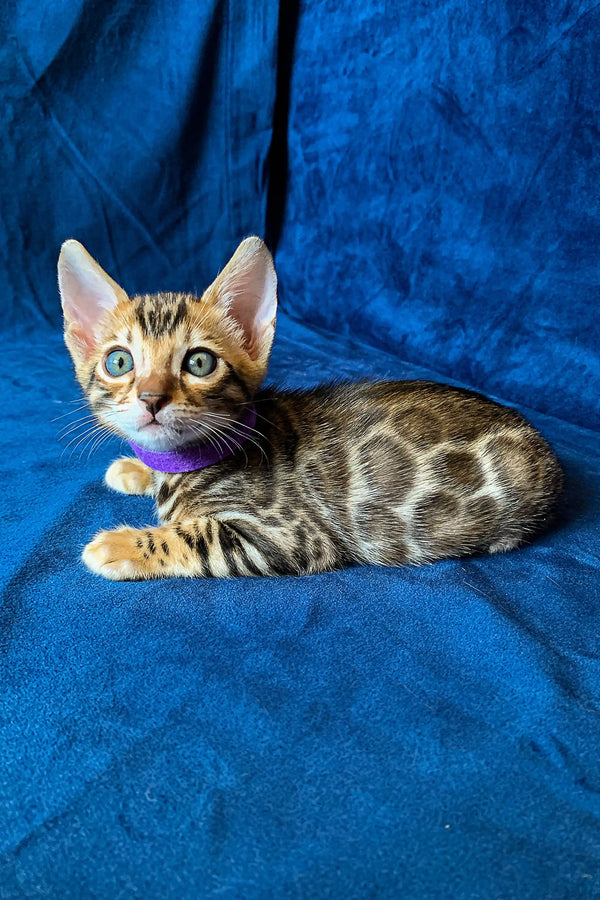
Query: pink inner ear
[[248, 286], [87, 292], [83, 300]]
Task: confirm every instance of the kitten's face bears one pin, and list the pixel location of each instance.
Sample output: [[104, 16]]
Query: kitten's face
[[163, 371], [165, 384]]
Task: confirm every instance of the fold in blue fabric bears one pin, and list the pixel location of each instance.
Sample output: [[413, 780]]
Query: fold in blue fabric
[[410, 733]]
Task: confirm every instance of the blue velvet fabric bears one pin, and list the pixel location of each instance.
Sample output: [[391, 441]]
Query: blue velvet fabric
[[443, 194], [416, 733], [143, 130]]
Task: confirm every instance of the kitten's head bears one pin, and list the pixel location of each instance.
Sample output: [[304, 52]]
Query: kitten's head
[[167, 369]]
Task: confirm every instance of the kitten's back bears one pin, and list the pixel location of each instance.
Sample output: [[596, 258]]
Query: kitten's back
[[422, 470]]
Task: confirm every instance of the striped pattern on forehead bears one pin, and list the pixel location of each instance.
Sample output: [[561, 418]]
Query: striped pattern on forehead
[[160, 314]]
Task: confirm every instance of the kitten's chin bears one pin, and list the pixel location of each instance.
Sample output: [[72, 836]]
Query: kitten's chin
[[157, 438]]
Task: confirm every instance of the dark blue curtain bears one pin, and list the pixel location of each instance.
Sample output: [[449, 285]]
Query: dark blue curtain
[[443, 199], [141, 129]]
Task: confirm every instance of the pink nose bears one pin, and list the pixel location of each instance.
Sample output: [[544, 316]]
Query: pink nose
[[154, 402]]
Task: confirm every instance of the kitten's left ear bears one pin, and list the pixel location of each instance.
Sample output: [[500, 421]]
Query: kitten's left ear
[[247, 288], [87, 294]]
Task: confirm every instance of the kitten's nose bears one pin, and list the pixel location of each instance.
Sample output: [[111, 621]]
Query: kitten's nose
[[154, 402]]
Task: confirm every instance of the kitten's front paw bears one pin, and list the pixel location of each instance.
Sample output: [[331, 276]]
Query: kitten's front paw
[[115, 555], [129, 476]]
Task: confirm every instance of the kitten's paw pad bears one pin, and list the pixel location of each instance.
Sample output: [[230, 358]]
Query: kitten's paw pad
[[129, 476], [115, 555]]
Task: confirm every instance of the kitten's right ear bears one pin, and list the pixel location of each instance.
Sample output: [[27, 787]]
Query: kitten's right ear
[[87, 293]]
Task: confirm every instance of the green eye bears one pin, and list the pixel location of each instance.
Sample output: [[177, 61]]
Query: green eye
[[200, 363], [118, 362]]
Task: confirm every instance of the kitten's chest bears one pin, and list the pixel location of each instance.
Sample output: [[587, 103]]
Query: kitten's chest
[[196, 494], [169, 492]]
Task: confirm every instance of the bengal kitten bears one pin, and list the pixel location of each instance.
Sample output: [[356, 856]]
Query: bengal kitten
[[269, 482]]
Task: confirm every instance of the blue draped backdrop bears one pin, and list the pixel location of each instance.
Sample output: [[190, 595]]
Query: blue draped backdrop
[[427, 174]]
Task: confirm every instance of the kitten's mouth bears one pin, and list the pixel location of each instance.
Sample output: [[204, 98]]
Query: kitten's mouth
[[152, 431], [177, 432], [161, 436], [158, 436]]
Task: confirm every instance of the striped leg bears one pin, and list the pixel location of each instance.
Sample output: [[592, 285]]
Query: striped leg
[[202, 547]]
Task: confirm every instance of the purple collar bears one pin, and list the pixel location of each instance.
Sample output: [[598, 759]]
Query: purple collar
[[198, 456]]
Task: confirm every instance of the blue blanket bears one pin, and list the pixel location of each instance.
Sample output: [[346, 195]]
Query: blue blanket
[[397, 733]]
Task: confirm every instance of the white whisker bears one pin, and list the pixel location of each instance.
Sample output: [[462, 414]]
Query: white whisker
[[71, 412], [74, 426], [98, 443], [91, 432]]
